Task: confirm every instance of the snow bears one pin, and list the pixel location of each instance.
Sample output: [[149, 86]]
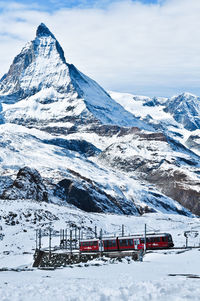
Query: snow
[[148, 280], [100, 279], [135, 105]]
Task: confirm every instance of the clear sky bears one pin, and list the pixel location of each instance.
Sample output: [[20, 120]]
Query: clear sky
[[147, 47]]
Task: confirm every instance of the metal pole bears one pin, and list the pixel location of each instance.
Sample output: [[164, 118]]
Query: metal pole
[[122, 230], [66, 238], [101, 243], [75, 237], [145, 237], [95, 231], [71, 241], [60, 237], [40, 239], [49, 242], [79, 238], [36, 240], [79, 235]]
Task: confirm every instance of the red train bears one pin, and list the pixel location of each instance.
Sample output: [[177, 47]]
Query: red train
[[133, 242]]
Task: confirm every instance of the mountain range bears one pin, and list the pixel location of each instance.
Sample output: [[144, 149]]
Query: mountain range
[[65, 140]]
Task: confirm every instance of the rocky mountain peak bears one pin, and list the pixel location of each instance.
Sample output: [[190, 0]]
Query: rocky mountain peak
[[55, 91], [43, 31], [39, 65], [185, 110]]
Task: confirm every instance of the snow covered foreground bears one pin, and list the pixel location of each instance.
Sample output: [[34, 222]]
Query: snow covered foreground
[[99, 279], [147, 280]]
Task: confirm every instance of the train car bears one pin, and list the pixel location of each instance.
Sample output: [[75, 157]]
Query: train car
[[110, 244], [157, 241], [126, 243], [90, 245], [132, 242], [153, 241]]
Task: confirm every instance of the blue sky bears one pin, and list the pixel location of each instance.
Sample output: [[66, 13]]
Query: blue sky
[[143, 47], [58, 4]]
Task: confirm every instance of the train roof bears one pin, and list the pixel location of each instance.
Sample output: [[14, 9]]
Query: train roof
[[143, 235], [89, 239], [127, 237]]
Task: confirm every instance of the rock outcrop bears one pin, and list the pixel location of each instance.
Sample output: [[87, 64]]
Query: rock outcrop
[[27, 185]]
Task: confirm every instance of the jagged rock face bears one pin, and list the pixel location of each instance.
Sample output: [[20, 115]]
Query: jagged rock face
[[152, 158], [28, 72], [177, 185], [80, 146], [185, 109], [193, 142], [28, 185]]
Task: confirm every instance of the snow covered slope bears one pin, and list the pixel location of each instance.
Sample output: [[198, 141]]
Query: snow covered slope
[[108, 279]]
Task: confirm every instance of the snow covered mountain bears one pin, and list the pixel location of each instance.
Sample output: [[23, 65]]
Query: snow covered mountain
[[185, 109], [124, 156], [41, 89]]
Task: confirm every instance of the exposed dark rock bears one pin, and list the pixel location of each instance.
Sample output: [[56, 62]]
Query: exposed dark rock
[[80, 146], [42, 31], [193, 142], [179, 187], [91, 198], [152, 166], [28, 185]]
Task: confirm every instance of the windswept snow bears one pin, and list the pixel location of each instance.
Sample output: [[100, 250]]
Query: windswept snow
[[98, 279]]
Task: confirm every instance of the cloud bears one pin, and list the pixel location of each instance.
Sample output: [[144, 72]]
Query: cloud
[[150, 49]]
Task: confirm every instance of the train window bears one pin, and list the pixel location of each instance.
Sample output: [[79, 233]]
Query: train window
[[105, 243], [169, 238], [123, 242], [112, 243], [164, 238], [130, 242], [142, 240], [93, 243]]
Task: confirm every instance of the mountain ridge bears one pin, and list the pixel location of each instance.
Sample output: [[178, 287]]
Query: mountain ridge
[[41, 66], [127, 156]]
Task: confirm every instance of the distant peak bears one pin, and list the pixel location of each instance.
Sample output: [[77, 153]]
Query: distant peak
[[188, 95], [43, 31]]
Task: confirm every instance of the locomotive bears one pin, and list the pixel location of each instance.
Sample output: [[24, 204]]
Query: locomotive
[[132, 242]]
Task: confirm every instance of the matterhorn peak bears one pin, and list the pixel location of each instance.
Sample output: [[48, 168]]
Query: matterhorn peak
[[51, 90], [43, 31]]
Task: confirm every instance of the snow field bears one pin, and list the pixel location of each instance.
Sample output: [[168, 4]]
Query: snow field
[[146, 280]]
